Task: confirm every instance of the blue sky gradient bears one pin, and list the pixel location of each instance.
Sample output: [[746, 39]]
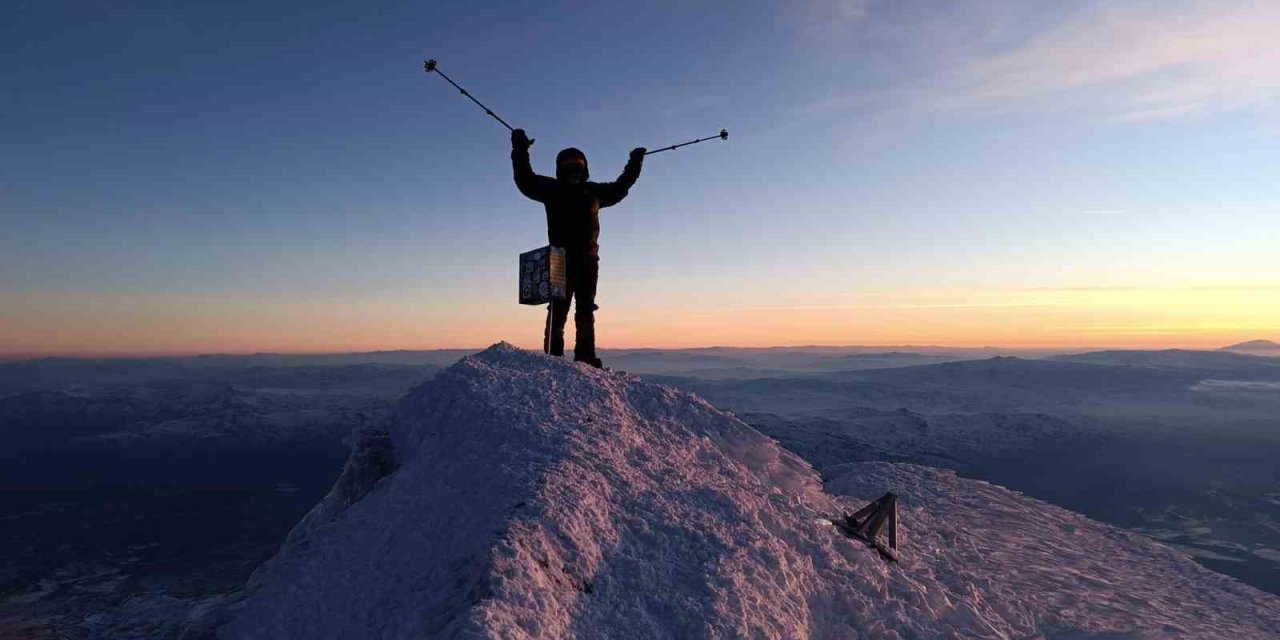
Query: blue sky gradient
[[284, 152]]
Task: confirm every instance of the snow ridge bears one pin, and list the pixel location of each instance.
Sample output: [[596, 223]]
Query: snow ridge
[[524, 496], [537, 498]]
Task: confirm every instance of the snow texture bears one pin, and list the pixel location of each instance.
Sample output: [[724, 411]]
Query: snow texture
[[1024, 566], [530, 497]]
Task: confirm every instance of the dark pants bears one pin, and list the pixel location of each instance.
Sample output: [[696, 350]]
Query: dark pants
[[582, 272]]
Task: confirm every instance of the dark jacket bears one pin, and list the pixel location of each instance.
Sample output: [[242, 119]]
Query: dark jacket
[[573, 211]]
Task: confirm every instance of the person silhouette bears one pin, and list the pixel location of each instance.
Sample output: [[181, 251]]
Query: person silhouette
[[573, 204]]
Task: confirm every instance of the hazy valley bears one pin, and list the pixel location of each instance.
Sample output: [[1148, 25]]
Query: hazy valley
[[158, 484]]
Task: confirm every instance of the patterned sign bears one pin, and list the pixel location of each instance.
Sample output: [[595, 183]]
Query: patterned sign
[[542, 275]]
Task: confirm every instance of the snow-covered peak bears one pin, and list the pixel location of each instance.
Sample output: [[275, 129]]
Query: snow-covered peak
[[523, 496]]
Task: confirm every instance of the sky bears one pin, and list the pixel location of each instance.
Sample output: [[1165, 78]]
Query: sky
[[283, 176]]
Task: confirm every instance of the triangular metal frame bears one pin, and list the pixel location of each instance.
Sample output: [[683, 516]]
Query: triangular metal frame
[[867, 523]]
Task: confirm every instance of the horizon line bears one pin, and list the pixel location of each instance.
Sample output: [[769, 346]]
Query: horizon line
[[9, 358]]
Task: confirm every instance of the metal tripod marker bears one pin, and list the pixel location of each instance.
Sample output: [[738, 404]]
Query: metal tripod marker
[[867, 523]]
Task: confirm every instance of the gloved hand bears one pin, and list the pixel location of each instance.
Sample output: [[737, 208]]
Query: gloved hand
[[520, 140], [637, 154]]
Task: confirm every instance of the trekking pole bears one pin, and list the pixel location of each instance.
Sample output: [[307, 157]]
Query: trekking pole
[[546, 341], [723, 135], [430, 66]]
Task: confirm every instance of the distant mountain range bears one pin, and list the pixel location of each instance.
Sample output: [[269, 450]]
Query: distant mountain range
[[1263, 347], [1221, 363]]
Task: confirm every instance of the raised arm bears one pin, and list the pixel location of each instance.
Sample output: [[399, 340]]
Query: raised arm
[[612, 193], [532, 185]]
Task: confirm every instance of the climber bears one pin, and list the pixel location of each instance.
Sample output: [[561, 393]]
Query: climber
[[573, 206]]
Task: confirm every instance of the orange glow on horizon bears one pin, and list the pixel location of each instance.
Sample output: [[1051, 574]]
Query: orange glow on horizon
[[122, 324]]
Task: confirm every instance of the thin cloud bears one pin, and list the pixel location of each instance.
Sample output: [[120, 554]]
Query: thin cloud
[[1219, 386], [1260, 288], [839, 11], [903, 306], [1173, 61], [824, 19], [1130, 61]]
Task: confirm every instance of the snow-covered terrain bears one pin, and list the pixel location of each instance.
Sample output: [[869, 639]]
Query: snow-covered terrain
[[521, 496], [1023, 559]]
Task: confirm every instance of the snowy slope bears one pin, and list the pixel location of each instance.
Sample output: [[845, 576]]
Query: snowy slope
[[1009, 559], [520, 496]]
